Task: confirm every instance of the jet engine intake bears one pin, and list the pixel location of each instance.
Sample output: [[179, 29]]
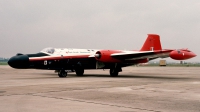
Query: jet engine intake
[[105, 56]]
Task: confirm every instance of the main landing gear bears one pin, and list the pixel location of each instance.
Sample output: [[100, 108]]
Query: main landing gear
[[79, 72], [79, 69], [62, 73], [114, 71]]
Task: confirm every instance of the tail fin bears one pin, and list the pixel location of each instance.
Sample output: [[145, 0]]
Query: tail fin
[[152, 43]]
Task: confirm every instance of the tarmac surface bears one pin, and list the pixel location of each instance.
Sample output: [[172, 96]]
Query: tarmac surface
[[137, 89]]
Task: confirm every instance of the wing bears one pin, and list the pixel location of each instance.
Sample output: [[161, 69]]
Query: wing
[[135, 55]]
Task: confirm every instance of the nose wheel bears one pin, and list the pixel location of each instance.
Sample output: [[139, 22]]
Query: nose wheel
[[62, 73]]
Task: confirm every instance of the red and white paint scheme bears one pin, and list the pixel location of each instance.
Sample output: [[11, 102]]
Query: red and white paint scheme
[[78, 60]]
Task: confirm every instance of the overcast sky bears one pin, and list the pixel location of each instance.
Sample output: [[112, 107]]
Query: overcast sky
[[28, 26]]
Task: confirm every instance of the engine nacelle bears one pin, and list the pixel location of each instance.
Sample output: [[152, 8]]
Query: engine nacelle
[[181, 54], [105, 56]]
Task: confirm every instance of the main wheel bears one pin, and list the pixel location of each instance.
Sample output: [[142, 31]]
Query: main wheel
[[79, 71], [62, 73], [113, 72]]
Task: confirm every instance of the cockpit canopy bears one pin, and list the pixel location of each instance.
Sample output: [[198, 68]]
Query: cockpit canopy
[[48, 50]]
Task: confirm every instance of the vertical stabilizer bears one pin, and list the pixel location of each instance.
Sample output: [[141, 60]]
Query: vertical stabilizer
[[152, 43]]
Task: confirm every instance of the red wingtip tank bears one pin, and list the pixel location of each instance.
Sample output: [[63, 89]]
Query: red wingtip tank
[[182, 54]]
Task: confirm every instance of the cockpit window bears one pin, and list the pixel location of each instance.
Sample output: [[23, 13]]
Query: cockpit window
[[48, 50], [179, 52]]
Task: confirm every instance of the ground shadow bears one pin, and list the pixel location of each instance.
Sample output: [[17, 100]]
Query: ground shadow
[[130, 76], [135, 76]]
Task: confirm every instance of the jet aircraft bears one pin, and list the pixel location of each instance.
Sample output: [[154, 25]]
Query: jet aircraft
[[64, 60]]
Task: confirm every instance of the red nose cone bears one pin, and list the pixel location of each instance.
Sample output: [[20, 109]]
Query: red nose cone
[[193, 55], [181, 55]]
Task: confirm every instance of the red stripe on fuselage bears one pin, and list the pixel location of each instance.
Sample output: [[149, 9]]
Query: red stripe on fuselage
[[57, 57]]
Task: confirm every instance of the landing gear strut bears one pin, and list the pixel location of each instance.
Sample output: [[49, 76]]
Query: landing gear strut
[[62, 73]]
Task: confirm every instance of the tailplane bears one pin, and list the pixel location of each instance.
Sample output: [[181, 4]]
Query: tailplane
[[152, 43]]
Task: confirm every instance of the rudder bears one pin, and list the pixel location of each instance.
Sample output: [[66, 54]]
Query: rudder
[[152, 43]]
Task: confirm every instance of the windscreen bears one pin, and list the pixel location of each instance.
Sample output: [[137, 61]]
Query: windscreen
[[48, 50]]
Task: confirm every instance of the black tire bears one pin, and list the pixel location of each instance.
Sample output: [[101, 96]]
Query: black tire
[[79, 72], [62, 74], [113, 73]]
